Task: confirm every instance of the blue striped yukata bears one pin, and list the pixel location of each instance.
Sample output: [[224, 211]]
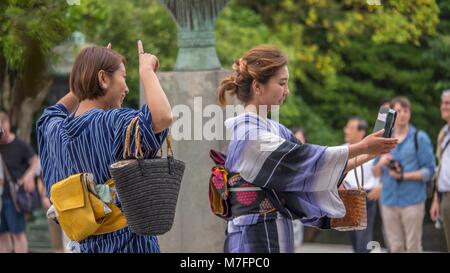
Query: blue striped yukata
[[90, 143], [300, 180]]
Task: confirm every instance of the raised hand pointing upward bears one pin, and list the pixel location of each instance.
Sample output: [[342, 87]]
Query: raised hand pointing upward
[[147, 61]]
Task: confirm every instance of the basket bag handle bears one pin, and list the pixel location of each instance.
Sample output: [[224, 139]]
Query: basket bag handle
[[137, 141], [360, 186]]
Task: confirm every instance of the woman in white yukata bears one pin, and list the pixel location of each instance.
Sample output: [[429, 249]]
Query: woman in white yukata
[[274, 178]]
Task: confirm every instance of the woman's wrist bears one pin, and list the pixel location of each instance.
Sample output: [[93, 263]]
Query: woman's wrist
[[146, 71], [357, 149]]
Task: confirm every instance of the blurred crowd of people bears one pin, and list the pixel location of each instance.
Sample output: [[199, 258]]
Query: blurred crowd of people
[[401, 181]]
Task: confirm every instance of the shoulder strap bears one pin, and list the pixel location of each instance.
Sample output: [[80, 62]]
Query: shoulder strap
[[445, 146], [8, 176], [416, 145], [11, 184], [439, 149], [416, 140], [439, 153]]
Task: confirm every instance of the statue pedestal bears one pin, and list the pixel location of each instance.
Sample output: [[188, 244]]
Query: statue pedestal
[[195, 228], [197, 51]]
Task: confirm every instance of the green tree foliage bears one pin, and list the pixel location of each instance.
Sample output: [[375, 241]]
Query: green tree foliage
[[347, 56], [123, 23], [240, 25], [344, 56], [28, 32]]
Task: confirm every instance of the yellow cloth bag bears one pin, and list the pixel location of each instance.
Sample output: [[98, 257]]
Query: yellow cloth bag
[[80, 212]]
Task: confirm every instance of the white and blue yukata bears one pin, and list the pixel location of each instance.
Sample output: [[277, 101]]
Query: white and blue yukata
[[300, 181], [90, 143]]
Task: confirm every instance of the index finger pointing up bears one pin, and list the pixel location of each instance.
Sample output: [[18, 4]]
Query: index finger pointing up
[[140, 47]]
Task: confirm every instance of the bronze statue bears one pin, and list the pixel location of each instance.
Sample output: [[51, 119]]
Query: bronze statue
[[195, 21]]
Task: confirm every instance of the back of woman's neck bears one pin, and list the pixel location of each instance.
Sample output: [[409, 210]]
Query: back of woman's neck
[[258, 110], [87, 105]]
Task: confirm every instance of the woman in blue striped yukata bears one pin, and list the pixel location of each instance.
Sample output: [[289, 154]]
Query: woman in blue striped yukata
[[274, 178], [85, 131]]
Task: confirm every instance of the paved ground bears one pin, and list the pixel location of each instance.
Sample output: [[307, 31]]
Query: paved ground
[[327, 248], [305, 248]]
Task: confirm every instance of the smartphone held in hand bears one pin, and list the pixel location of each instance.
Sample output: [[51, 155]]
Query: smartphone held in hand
[[385, 120]]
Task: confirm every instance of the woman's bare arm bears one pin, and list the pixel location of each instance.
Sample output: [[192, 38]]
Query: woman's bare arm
[[70, 101], [155, 97]]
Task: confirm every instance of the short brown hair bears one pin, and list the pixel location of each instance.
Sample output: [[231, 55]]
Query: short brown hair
[[403, 101], [260, 63], [84, 77]]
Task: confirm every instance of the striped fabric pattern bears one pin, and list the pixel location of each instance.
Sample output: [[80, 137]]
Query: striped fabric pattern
[[120, 241], [259, 233], [267, 154], [301, 179], [90, 143]]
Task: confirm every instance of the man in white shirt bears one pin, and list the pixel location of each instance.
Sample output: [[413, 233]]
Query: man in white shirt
[[440, 207], [355, 130]]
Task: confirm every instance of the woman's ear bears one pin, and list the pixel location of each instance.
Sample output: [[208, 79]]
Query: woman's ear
[[256, 87], [102, 79]]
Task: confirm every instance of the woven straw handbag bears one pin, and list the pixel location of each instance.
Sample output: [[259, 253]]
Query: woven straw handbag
[[355, 206], [147, 188]]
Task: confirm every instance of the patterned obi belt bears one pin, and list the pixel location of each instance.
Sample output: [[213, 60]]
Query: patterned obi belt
[[246, 198]]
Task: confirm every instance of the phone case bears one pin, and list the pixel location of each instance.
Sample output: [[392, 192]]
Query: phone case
[[385, 120]]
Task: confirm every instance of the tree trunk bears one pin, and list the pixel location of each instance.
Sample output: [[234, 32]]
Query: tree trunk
[[6, 86], [30, 88], [26, 110]]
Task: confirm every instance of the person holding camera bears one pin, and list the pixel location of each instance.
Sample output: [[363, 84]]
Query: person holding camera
[[404, 174]]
